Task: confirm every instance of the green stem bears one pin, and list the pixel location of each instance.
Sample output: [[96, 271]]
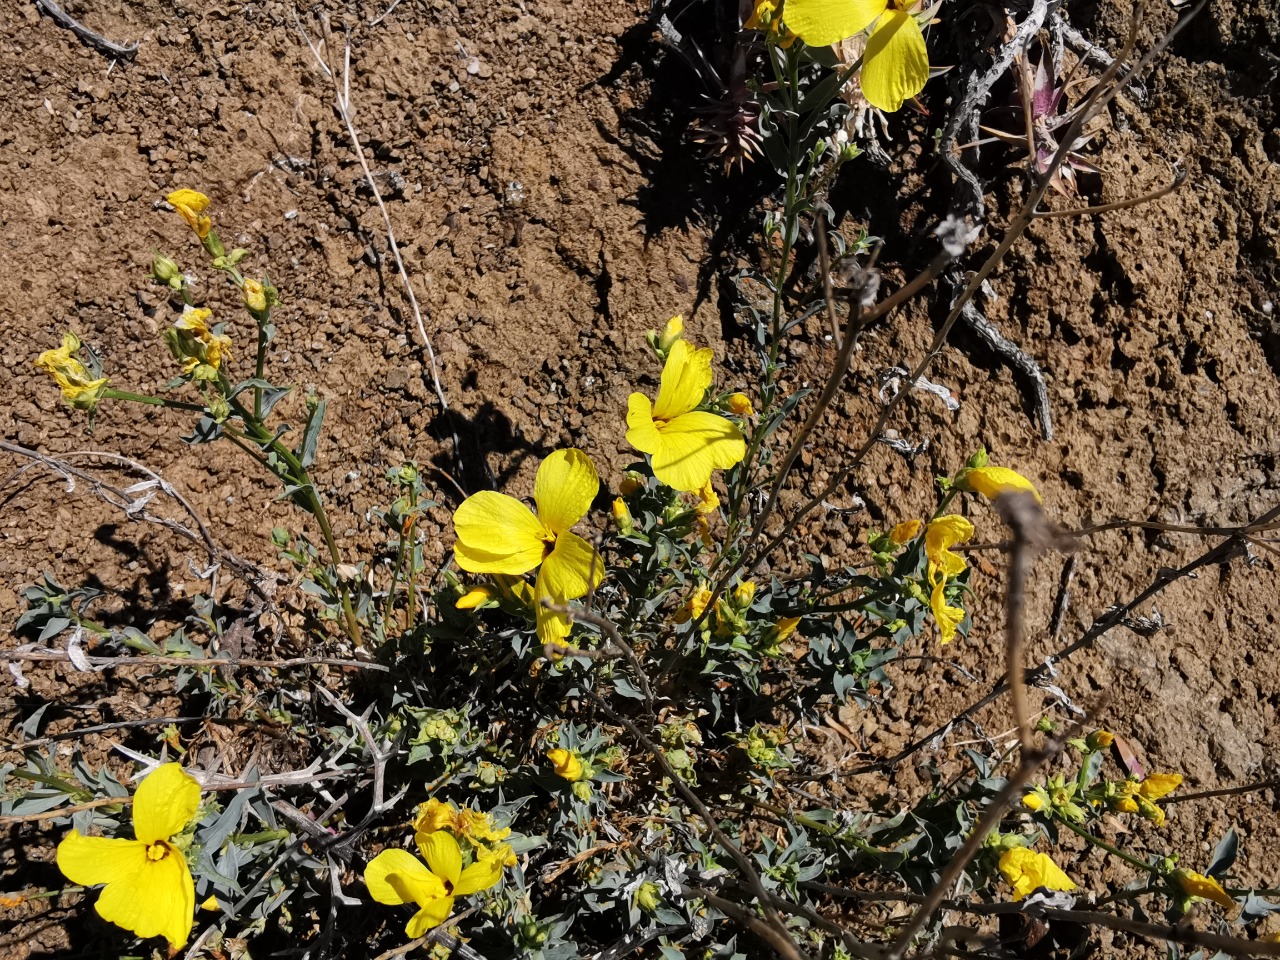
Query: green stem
[[389, 607], [110, 393], [1114, 851], [412, 534], [260, 364]]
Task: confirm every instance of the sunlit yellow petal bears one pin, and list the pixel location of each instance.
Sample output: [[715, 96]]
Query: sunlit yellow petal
[[193, 200], [566, 764], [895, 66], [571, 571], [685, 379], [435, 815], [941, 535], [397, 876], [821, 23], [481, 875], [1198, 885], [164, 803], [157, 901], [433, 914], [1027, 871], [947, 617], [1159, 784], [993, 481], [443, 856], [642, 432], [567, 483], [692, 446], [93, 860], [498, 534], [552, 627]]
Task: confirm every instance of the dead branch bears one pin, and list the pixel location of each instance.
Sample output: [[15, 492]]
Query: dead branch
[[95, 40]]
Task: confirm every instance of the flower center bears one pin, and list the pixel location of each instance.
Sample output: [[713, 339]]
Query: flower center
[[157, 851]]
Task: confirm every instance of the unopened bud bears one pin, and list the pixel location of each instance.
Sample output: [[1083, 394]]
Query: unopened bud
[[740, 405], [255, 296]]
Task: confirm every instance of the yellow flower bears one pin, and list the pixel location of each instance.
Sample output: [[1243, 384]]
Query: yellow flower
[[740, 405], [1198, 885], [148, 886], [255, 296], [708, 501], [686, 444], [191, 206], [435, 815], [193, 343], [499, 534], [783, 629], [1033, 801], [765, 19], [993, 481], [1100, 740], [474, 597], [947, 617], [895, 65], [70, 374], [940, 536], [622, 518], [695, 606], [1027, 871], [903, 533], [566, 764], [397, 876], [1159, 785]]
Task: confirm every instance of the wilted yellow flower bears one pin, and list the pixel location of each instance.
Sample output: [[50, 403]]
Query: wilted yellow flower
[[255, 296], [895, 64], [499, 534], [941, 535], [148, 889], [435, 815], [903, 533], [993, 481], [566, 764], [191, 205], [765, 19], [685, 444], [708, 501], [1206, 888], [740, 405], [70, 374], [193, 343], [695, 606], [783, 629], [1158, 785], [1027, 871], [397, 876]]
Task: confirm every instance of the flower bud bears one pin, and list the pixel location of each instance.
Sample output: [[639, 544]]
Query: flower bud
[[219, 409], [475, 597], [167, 271], [1099, 740], [632, 482], [978, 460], [255, 296], [648, 896], [566, 764], [671, 332], [740, 405], [743, 594], [622, 518]]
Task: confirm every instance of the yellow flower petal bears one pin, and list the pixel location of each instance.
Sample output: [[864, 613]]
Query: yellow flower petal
[[947, 617], [993, 481], [567, 483], [474, 598], [820, 23], [397, 876], [158, 901], [903, 533], [685, 378], [191, 205], [164, 803], [432, 915], [566, 764], [481, 875], [895, 65], [435, 815], [571, 570], [552, 627], [443, 856], [943, 534], [1027, 871], [498, 534], [92, 860], [1198, 885], [692, 446], [1159, 784]]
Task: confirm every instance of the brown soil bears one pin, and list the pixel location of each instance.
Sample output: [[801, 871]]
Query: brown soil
[[548, 216]]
